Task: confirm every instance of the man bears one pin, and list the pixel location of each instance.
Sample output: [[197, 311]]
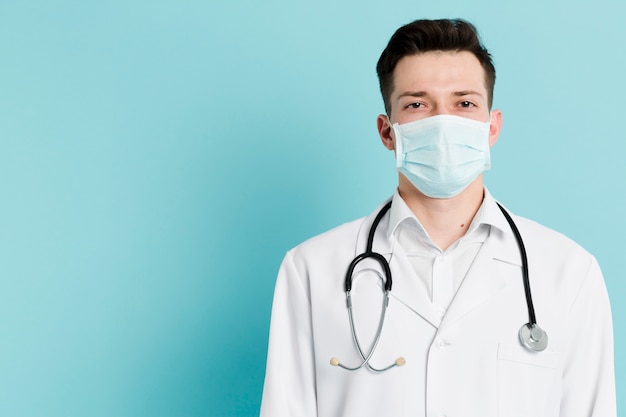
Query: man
[[450, 342]]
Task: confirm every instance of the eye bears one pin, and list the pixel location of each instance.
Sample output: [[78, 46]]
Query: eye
[[414, 105], [467, 104]]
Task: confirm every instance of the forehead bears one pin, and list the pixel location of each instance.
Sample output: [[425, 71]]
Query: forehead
[[439, 70]]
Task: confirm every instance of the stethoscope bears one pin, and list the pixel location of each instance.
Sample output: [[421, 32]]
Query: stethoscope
[[533, 337]]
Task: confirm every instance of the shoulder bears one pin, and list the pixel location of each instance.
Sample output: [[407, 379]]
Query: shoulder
[[558, 261], [342, 238], [340, 242], [319, 263], [548, 240]]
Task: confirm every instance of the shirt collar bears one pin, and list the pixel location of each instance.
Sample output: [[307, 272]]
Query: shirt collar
[[492, 214], [400, 214]]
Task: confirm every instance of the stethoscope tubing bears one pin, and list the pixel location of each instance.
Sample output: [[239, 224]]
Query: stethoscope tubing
[[366, 359], [531, 335], [532, 320], [369, 254]]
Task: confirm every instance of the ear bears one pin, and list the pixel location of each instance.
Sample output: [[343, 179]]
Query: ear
[[495, 127], [385, 132]]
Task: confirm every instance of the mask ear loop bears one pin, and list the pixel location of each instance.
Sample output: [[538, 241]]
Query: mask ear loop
[[399, 149]]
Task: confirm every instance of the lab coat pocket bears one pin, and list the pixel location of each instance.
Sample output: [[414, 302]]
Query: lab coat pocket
[[529, 383]]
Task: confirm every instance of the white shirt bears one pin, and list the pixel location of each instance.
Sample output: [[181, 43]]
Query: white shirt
[[439, 272]]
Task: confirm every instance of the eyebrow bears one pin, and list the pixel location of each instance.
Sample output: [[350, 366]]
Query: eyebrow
[[425, 94], [413, 94], [466, 93]]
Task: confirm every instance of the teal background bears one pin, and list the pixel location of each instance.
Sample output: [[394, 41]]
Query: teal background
[[157, 159]]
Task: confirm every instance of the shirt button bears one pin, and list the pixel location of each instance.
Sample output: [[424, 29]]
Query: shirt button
[[442, 311], [441, 343]]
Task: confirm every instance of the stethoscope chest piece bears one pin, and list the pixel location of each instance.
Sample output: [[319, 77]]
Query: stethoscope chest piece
[[533, 337]]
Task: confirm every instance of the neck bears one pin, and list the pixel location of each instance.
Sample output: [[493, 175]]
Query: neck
[[445, 220]]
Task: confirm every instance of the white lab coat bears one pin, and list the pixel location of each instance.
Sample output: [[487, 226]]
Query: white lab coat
[[470, 363]]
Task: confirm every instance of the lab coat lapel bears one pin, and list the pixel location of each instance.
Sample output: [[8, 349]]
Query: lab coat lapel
[[409, 290], [497, 262], [405, 285]]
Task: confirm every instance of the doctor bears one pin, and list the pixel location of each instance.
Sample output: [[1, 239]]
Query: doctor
[[458, 297]]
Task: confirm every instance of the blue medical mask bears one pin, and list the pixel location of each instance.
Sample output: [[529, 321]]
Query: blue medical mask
[[441, 155]]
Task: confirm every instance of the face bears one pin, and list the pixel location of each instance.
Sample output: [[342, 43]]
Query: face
[[435, 83]]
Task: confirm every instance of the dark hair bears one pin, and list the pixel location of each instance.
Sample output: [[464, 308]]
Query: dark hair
[[432, 35]]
